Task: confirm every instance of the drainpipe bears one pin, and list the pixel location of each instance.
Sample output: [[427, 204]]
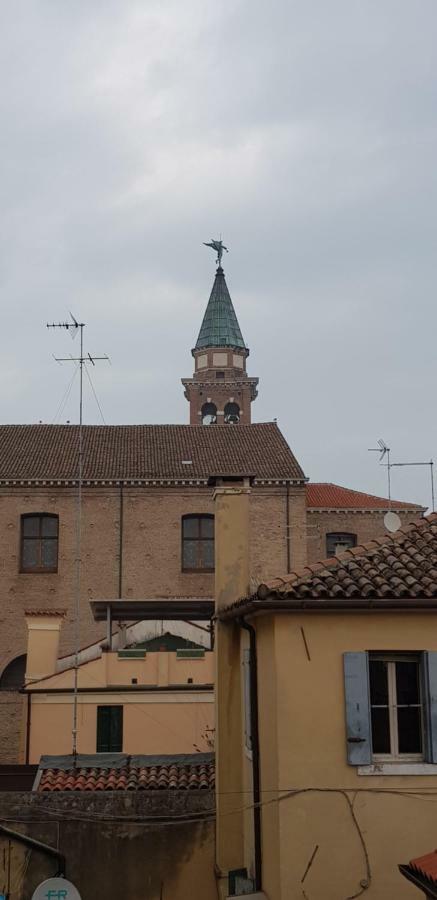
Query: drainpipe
[[28, 722], [255, 752], [120, 544], [36, 845]]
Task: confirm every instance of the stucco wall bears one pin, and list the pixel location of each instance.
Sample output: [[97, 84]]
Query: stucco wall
[[359, 824], [111, 850], [153, 723]]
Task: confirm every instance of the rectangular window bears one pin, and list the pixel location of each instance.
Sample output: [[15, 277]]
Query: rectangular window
[[198, 543], [396, 707], [391, 707], [109, 729], [39, 543]]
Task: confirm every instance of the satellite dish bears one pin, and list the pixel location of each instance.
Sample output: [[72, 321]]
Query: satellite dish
[[56, 889], [392, 522]]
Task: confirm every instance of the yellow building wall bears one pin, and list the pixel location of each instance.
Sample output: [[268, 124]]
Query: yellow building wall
[[152, 723], [359, 827]]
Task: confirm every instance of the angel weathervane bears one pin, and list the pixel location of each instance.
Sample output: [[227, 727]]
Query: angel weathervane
[[218, 246]]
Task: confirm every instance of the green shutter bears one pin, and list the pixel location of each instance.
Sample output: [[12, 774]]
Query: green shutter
[[109, 729]]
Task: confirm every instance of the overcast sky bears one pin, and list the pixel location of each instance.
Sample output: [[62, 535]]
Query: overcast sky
[[304, 132]]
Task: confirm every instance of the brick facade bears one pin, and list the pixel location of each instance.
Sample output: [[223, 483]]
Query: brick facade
[[221, 378], [284, 536], [366, 525], [150, 559]]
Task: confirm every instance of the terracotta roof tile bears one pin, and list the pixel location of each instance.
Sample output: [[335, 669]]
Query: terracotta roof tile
[[124, 773], [402, 565], [130, 452], [324, 495], [426, 865]]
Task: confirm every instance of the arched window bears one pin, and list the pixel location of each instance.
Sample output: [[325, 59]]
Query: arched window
[[336, 541], [12, 678], [232, 414], [39, 542], [209, 414], [198, 543]]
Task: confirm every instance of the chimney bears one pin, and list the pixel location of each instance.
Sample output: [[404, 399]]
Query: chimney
[[232, 576], [43, 631], [231, 497]]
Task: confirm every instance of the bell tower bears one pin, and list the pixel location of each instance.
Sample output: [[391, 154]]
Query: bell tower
[[220, 391]]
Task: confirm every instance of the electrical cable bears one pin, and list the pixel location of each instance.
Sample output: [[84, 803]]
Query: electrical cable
[[95, 395], [65, 397]]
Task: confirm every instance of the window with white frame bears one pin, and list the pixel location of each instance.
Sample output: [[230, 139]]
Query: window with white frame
[[391, 707], [396, 707]]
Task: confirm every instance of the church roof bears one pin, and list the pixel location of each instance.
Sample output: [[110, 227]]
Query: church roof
[[145, 452], [220, 326]]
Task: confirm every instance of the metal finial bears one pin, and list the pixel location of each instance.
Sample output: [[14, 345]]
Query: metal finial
[[218, 246]]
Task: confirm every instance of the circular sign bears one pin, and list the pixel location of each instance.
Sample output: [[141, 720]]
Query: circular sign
[[56, 889]]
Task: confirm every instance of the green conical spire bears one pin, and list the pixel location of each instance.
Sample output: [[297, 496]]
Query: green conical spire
[[220, 326]]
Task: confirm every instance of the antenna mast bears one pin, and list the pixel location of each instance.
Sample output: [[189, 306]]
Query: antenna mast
[[73, 328], [383, 450]]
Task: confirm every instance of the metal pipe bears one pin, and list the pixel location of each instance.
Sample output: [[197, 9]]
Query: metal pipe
[[287, 525], [120, 545], [253, 675], [28, 717], [36, 845]]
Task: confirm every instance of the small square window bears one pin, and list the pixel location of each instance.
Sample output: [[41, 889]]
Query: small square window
[[337, 541]]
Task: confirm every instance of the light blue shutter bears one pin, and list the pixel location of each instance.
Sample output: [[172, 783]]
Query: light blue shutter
[[430, 672], [358, 730]]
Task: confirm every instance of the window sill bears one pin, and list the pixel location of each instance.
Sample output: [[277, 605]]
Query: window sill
[[398, 768], [38, 572], [198, 571]]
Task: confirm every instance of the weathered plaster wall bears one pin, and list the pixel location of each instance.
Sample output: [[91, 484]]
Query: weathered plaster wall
[[111, 851]]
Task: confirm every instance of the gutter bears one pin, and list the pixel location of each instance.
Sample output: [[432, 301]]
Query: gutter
[[36, 845], [124, 689], [271, 603], [253, 672], [428, 888]]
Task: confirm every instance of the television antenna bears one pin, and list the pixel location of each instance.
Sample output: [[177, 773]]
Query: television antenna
[[74, 327], [384, 451]]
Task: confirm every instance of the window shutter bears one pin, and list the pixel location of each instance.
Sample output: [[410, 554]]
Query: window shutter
[[430, 671], [116, 729], [103, 726], [109, 729], [358, 730]]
